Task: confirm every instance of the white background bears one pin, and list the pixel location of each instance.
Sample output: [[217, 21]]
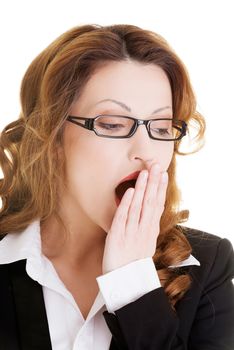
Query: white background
[[201, 32]]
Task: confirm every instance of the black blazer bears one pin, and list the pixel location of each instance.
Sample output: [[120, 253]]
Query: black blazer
[[204, 318]]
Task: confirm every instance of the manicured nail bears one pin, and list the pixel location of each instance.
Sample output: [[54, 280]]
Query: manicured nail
[[155, 169], [164, 177], [144, 175]]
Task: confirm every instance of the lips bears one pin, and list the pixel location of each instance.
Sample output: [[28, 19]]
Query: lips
[[124, 184], [131, 176]]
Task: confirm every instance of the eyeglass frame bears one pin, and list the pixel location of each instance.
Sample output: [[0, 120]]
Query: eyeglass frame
[[89, 124]]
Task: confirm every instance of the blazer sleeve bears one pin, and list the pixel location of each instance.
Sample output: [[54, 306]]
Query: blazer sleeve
[[213, 327], [149, 323]]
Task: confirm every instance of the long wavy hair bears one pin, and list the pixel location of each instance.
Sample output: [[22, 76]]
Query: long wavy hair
[[51, 84]]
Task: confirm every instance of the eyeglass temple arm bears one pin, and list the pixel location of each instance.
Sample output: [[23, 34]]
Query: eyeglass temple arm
[[88, 121]]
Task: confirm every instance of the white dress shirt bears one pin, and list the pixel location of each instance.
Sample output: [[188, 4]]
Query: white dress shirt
[[68, 329]]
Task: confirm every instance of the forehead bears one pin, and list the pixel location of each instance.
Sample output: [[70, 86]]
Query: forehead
[[133, 83]]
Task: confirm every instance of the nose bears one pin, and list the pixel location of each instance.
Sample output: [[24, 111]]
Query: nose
[[142, 126], [142, 132], [143, 148]]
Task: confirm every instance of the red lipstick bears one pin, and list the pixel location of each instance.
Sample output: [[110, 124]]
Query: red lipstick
[[131, 176]]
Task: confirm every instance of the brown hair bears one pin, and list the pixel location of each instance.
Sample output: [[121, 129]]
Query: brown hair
[[53, 81]]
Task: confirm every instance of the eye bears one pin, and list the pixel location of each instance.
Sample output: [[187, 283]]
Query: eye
[[161, 131], [109, 126]]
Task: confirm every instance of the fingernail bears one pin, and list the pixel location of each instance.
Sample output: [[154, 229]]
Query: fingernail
[[144, 175], [155, 169], [164, 177]]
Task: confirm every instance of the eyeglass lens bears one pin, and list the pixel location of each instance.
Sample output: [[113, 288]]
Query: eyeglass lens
[[121, 126]]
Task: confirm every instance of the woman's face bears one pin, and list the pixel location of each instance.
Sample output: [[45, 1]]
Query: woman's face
[[95, 165]]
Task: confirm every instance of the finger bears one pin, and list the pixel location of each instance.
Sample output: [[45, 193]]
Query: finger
[[136, 205], [161, 198], [150, 198], [162, 191], [120, 217]]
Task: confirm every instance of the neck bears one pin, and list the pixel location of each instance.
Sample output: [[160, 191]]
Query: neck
[[78, 246]]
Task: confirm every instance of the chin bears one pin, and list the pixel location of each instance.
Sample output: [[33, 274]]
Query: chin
[[107, 222], [104, 216], [107, 225]]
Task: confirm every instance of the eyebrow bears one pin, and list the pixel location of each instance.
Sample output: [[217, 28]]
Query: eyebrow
[[123, 105]]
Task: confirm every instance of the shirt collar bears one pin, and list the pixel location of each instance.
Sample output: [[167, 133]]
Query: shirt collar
[[24, 245], [27, 245]]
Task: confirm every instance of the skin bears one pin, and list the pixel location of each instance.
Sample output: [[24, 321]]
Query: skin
[[135, 227], [103, 237]]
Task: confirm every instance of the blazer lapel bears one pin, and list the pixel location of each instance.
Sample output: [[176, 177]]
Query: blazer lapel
[[30, 309]]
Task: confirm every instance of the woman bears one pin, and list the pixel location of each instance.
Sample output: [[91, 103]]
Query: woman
[[92, 254]]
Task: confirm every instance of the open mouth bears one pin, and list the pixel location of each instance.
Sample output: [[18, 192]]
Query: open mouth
[[122, 188]]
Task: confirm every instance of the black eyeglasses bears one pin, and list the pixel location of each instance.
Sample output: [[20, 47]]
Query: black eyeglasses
[[119, 126]]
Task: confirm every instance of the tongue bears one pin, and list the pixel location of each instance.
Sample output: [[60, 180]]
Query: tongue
[[122, 188]]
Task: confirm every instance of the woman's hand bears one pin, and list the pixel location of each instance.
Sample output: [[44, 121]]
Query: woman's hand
[[136, 224]]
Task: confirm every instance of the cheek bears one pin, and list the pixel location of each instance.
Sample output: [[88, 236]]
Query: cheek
[[88, 166]]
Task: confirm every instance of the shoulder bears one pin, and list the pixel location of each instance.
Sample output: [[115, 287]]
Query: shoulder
[[204, 243], [214, 253]]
